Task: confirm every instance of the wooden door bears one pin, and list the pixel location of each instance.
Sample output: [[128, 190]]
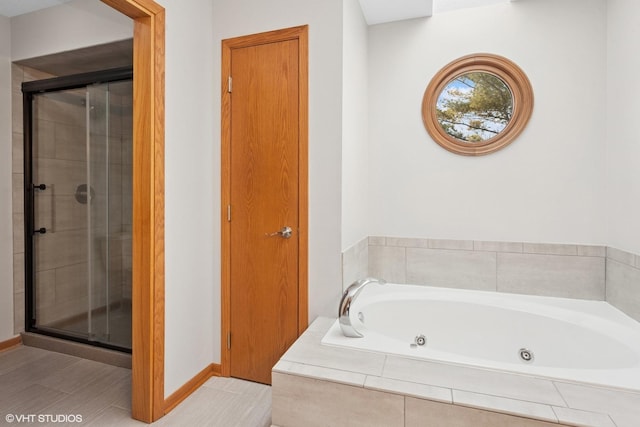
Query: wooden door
[[263, 210]]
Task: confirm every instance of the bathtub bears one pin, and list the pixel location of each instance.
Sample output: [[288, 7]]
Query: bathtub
[[565, 339]]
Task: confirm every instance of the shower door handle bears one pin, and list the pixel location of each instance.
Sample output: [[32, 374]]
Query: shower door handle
[[40, 230]]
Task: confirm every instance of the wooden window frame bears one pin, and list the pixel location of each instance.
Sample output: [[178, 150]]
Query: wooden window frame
[[501, 67]]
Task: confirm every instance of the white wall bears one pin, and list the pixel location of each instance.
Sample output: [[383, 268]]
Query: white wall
[[192, 173], [6, 230], [623, 140], [355, 144], [547, 186], [73, 25], [243, 17], [191, 170]]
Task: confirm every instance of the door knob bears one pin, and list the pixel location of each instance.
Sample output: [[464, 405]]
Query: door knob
[[285, 233]]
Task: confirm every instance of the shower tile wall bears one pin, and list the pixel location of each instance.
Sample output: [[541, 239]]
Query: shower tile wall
[[60, 158], [18, 75]]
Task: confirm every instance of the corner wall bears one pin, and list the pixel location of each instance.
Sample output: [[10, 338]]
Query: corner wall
[[192, 193], [548, 185], [6, 231], [355, 113], [623, 140]]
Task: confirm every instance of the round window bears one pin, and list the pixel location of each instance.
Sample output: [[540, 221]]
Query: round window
[[477, 104]]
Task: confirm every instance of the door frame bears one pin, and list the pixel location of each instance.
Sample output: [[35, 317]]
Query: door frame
[[147, 324], [299, 33]]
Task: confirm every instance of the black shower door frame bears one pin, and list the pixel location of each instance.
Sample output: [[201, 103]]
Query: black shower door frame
[[29, 90]]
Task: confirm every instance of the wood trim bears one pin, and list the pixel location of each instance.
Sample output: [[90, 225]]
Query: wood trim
[[147, 373], [501, 67], [301, 34], [303, 177], [213, 370], [12, 342]]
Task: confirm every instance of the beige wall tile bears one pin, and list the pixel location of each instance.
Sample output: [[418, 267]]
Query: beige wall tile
[[575, 417], [18, 312], [498, 246], [62, 177], [18, 272], [600, 400], [407, 388], [552, 275], [451, 268], [549, 249], [355, 263], [377, 241], [320, 373], [44, 142], [388, 263], [589, 250], [17, 152], [17, 193], [407, 243], [623, 288], [331, 404], [621, 256], [424, 413], [70, 142], [463, 245], [515, 407], [18, 233], [60, 249]]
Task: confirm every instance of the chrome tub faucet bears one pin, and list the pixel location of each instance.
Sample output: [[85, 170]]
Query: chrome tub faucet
[[348, 297]]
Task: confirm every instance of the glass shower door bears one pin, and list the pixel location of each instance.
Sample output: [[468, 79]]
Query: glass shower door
[[109, 226], [80, 248]]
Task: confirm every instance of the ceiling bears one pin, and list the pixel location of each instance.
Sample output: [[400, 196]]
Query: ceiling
[[381, 11], [375, 11], [11, 8]]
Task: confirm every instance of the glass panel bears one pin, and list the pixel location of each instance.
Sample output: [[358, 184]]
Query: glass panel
[[475, 107], [109, 236], [60, 254], [82, 152]]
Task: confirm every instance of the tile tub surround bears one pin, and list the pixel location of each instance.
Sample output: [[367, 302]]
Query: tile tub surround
[[623, 281], [317, 385], [544, 269], [574, 271]]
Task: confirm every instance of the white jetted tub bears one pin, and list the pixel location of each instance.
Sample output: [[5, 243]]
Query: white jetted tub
[[575, 340]]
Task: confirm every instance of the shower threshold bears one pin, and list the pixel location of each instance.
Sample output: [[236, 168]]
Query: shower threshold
[[85, 351]]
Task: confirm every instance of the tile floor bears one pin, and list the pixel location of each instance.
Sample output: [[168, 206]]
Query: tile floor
[[41, 382]]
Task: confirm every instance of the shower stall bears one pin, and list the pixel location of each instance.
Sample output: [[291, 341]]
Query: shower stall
[[78, 207]]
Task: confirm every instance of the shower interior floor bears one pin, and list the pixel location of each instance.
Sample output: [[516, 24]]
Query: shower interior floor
[[114, 329]]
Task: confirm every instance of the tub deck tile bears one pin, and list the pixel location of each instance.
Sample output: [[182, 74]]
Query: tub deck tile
[[575, 417], [309, 351], [321, 373], [406, 388], [503, 405], [500, 397], [617, 403], [476, 380]]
